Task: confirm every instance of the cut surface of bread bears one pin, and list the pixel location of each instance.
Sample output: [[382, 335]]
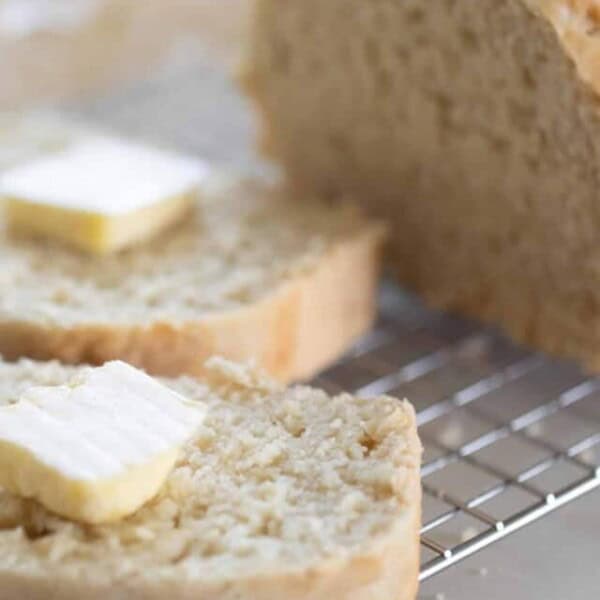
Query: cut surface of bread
[[250, 276], [282, 493], [472, 125]]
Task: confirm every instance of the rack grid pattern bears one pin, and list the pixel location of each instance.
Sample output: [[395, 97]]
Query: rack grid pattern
[[509, 435]]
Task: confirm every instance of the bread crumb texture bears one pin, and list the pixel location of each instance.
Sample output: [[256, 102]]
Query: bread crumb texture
[[275, 480], [244, 240]]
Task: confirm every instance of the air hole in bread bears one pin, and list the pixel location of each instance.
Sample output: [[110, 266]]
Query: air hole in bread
[[369, 444]]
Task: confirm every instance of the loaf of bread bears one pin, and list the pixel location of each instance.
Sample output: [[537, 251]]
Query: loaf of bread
[[249, 276], [282, 494], [473, 125]]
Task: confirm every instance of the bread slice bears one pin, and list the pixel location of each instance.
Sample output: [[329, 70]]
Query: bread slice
[[472, 125], [282, 494], [249, 276]]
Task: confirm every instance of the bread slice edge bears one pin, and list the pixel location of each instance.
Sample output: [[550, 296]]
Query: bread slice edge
[[292, 332]]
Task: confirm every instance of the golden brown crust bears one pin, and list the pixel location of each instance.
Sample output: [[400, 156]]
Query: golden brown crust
[[577, 23], [291, 333]]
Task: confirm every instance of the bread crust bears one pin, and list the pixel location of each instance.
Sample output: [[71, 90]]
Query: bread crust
[[576, 23], [292, 332]]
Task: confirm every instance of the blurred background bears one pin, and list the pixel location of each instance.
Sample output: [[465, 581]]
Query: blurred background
[[52, 50], [160, 71]]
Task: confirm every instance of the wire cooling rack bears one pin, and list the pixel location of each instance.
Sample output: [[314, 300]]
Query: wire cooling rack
[[509, 435]]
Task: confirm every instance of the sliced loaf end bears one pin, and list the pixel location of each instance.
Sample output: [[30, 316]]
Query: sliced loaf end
[[469, 126]]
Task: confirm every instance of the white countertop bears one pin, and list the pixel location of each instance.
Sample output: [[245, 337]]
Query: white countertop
[[556, 558]]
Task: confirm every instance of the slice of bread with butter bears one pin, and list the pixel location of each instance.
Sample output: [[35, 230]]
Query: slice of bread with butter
[[101, 195], [249, 274], [280, 493]]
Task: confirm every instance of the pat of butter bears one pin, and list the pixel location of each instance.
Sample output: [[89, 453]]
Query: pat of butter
[[101, 195], [97, 449]]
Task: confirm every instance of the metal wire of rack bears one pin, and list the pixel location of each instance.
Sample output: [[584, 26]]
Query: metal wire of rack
[[509, 435]]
